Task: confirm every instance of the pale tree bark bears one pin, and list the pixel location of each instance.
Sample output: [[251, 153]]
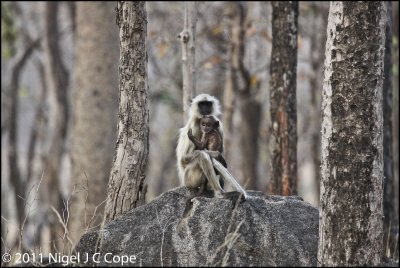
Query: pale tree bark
[[94, 128], [283, 140], [11, 121], [188, 41], [127, 188], [318, 36], [350, 227], [58, 80], [35, 151], [236, 29], [38, 123], [72, 6]]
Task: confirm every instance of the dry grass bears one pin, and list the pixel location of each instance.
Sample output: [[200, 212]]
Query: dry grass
[[18, 245]]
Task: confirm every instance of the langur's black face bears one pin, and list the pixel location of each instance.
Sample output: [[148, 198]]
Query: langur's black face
[[205, 107]]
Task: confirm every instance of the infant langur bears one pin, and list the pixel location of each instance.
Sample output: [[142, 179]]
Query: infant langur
[[211, 140]]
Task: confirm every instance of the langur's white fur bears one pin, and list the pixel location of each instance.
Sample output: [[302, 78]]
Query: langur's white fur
[[199, 169], [195, 166], [194, 110], [185, 146]]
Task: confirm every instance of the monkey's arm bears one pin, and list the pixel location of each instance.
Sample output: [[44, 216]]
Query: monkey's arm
[[198, 144]]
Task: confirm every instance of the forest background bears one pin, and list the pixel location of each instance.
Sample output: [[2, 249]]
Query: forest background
[[45, 128]]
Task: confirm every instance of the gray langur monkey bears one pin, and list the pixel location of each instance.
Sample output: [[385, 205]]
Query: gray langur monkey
[[195, 167]]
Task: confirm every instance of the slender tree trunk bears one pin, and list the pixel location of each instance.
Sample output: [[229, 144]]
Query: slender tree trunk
[[35, 154], [94, 130], [72, 7], [350, 228], [58, 80], [188, 41], [250, 111], [219, 48], [318, 36], [283, 145], [12, 120], [395, 118], [37, 127], [234, 76], [390, 221], [127, 188]]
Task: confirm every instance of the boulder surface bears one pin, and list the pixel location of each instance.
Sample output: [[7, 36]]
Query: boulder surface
[[176, 229]]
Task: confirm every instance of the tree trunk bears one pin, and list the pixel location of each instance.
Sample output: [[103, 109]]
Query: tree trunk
[[395, 118], [318, 35], [12, 119], [94, 130], [250, 111], [236, 15], [38, 123], [58, 78], [188, 41], [126, 188], [390, 222], [283, 145], [350, 228]]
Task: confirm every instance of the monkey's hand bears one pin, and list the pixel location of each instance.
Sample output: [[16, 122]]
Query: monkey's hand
[[186, 160]]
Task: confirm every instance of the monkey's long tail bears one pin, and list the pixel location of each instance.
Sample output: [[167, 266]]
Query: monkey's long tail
[[228, 178]]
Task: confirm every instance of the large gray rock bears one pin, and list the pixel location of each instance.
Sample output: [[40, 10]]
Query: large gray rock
[[176, 230]]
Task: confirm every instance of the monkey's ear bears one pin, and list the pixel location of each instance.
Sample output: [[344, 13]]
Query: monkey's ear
[[216, 124]]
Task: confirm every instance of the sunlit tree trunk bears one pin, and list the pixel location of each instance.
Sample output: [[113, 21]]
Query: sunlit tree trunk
[[127, 188], [350, 227]]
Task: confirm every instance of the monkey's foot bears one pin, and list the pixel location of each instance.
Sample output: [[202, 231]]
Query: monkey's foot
[[218, 194], [234, 196]]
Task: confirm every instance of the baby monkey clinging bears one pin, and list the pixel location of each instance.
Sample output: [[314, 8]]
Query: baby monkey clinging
[[211, 138]]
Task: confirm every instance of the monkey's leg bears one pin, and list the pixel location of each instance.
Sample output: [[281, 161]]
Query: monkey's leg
[[206, 166], [194, 177], [202, 188]]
